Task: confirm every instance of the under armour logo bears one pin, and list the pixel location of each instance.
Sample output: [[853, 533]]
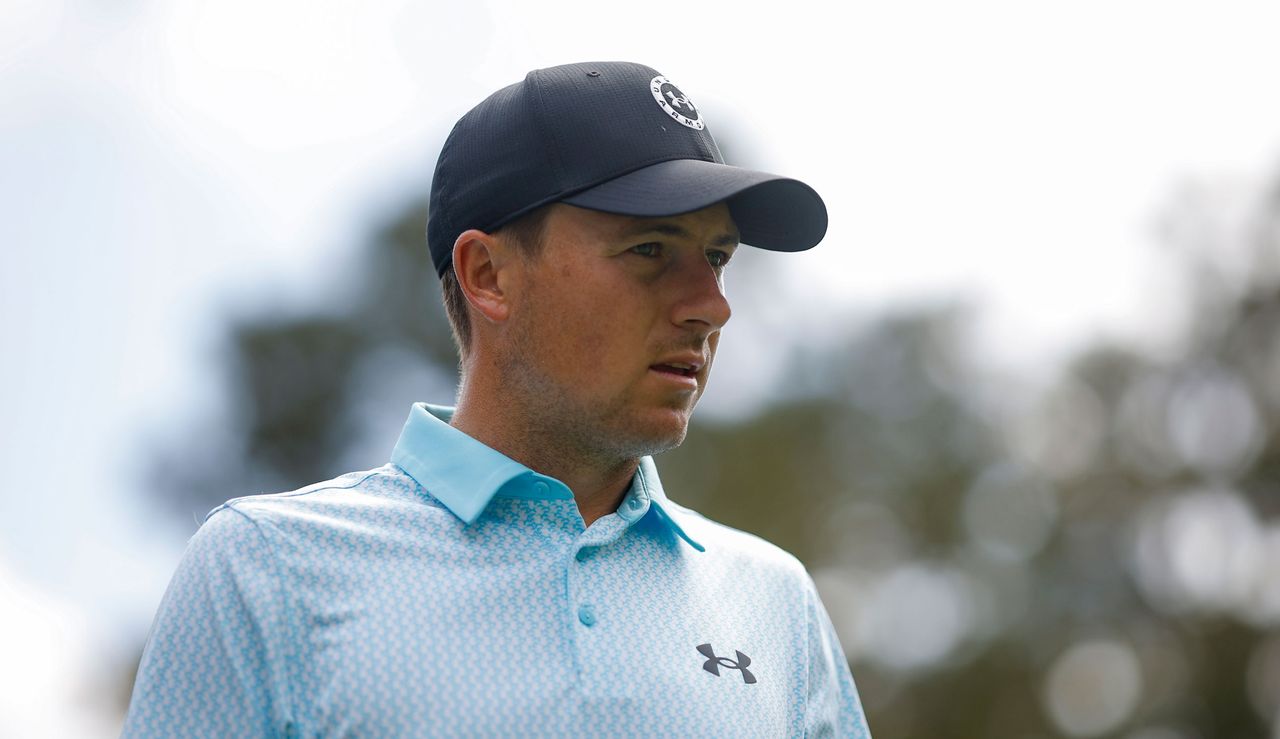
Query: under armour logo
[[679, 101], [714, 663], [675, 103]]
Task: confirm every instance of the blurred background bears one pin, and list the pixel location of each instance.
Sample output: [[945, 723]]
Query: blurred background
[[1019, 414]]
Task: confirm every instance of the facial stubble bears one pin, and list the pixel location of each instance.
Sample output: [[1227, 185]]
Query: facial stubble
[[566, 424]]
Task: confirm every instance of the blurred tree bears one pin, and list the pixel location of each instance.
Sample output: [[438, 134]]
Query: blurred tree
[[293, 391], [1067, 564]]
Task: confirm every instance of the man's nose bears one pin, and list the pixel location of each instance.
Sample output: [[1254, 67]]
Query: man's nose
[[702, 299]]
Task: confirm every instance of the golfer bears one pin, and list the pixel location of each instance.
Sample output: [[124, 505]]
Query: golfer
[[517, 568]]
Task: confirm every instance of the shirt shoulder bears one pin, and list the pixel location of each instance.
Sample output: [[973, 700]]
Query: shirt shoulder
[[381, 496], [732, 547]]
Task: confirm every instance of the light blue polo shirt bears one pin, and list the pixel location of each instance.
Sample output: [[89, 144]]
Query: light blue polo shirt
[[456, 592]]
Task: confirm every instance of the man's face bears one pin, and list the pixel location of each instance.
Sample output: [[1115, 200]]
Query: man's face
[[605, 316]]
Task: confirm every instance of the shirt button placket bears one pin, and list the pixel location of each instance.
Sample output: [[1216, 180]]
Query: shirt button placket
[[586, 611]]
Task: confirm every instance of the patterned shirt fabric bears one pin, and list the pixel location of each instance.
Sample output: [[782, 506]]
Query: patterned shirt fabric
[[456, 592]]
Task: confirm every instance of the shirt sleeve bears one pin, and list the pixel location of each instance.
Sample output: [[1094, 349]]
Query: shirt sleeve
[[212, 665], [833, 708]]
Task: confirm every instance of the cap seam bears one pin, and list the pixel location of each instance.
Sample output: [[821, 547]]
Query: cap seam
[[544, 133]]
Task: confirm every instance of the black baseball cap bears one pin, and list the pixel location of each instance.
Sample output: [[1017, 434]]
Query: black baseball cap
[[616, 137]]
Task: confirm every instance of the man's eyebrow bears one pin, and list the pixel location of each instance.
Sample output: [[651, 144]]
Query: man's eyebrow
[[678, 231]]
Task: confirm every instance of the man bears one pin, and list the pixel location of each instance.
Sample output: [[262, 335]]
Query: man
[[517, 568]]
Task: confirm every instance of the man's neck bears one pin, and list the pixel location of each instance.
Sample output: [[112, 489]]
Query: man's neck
[[598, 483]]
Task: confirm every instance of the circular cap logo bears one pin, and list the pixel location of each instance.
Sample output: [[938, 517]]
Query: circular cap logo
[[675, 103]]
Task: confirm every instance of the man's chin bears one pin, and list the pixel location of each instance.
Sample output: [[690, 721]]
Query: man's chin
[[656, 433]]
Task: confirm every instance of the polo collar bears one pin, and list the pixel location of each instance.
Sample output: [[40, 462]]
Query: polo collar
[[465, 474]]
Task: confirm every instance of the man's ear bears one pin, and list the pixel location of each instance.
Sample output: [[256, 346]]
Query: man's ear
[[480, 262]]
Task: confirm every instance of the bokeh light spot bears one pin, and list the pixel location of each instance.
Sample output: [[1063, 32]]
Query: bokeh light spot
[[1063, 434], [1008, 513], [1198, 551], [1092, 688], [915, 617], [1213, 422]]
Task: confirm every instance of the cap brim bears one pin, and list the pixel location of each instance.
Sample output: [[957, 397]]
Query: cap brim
[[771, 212]]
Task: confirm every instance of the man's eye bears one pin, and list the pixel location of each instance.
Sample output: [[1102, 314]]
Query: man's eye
[[718, 258], [651, 249]]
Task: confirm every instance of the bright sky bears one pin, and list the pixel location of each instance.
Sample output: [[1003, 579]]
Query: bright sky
[[160, 161]]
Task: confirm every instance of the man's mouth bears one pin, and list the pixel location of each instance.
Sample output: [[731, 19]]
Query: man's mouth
[[683, 370]]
